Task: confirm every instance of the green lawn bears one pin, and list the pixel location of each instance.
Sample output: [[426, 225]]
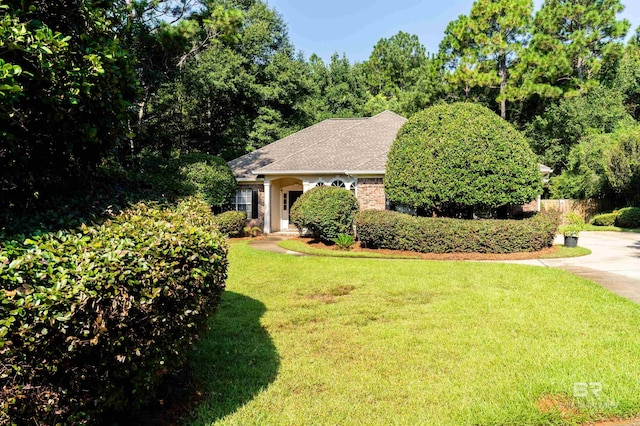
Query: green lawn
[[301, 247], [318, 340]]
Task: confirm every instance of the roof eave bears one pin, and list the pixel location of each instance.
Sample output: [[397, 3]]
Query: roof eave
[[318, 172]]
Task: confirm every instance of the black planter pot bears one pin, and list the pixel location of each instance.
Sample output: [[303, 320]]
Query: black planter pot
[[570, 241]]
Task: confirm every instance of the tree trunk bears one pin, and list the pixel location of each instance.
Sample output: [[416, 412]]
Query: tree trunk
[[503, 86]]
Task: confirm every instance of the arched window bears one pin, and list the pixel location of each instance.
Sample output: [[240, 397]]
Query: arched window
[[320, 184], [353, 188], [338, 183]]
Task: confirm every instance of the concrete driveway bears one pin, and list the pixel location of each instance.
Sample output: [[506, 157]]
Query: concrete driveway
[[613, 263]]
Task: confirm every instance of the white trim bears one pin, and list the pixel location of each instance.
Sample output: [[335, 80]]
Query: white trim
[[319, 172], [267, 206], [249, 180]]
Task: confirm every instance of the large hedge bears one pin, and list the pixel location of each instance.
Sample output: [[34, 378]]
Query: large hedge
[[325, 211], [90, 320], [398, 231], [459, 158]]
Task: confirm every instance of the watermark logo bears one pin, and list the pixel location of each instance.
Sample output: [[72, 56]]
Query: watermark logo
[[586, 390], [589, 395]]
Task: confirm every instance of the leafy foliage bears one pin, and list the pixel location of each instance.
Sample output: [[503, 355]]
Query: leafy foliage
[[344, 241], [398, 231], [91, 319], [325, 212], [231, 223], [605, 219], [210, 176], [562, 126], [629, 217], [585, 176], [623, 166], [67, 87], [454, 159]]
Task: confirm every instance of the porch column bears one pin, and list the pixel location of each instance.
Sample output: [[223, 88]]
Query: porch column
[[267, 207]]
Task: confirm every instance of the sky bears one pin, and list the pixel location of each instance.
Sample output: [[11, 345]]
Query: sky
[[355, 26]]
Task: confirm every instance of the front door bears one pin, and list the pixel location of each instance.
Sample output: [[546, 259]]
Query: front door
[[289, 197], [293, 196]]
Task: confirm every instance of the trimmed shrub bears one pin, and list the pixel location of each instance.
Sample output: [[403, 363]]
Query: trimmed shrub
[[398, 231], [210, 176], [325, 211], [90, 320], [606, 219], [629, 217], [459, 158], [231, 223]]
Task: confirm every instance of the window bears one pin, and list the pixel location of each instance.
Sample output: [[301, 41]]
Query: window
[[338, 183], [353, 188], [247, 201], [243, 201], [320, 184]]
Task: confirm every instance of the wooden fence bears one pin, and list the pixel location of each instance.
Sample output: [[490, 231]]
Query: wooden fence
[[586, 208]]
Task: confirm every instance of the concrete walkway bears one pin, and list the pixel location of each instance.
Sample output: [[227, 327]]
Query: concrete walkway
[[270, 244], [614, 262]]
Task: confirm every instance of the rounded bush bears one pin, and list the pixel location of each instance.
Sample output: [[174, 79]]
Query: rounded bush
[[209, 176], [231, 223], [325, 212], [91, 319], [398, 231], [629, 217], [459, 158], [607, 219]]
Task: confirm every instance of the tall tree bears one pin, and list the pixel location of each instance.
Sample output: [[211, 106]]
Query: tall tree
[[394, 64], [233, 96], [570, 40], [482, 48], [339, 88]]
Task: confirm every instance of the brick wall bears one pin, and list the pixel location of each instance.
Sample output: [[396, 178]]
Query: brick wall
[[259, 222], [371, 194]]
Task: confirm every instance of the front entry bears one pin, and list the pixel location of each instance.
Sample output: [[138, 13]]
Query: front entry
[[288, 198]]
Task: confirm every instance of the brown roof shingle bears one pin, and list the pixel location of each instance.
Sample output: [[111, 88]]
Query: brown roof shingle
[[334, 145]]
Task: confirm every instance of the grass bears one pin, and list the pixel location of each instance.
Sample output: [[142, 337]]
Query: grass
[[301, 247], [590, 227], [318, 340], [566, 252]]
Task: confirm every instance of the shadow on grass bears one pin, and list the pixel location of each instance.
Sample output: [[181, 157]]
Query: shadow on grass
[[235, 361], [230, 366]]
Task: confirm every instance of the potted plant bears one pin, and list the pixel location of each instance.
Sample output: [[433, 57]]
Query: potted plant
[[572, 229], [571, 233]]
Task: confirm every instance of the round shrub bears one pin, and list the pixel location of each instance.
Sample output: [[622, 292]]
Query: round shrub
[[629, 217], [91, 319], [459, 158], [209, 176], [606, 219], [231, 223], [325, 212]]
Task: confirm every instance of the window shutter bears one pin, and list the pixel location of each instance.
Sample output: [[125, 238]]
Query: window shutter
[[254, 204]]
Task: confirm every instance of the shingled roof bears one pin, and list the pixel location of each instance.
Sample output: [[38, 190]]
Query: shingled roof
[[357, 145]]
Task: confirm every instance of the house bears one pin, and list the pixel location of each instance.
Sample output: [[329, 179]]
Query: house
[[350, 153]]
